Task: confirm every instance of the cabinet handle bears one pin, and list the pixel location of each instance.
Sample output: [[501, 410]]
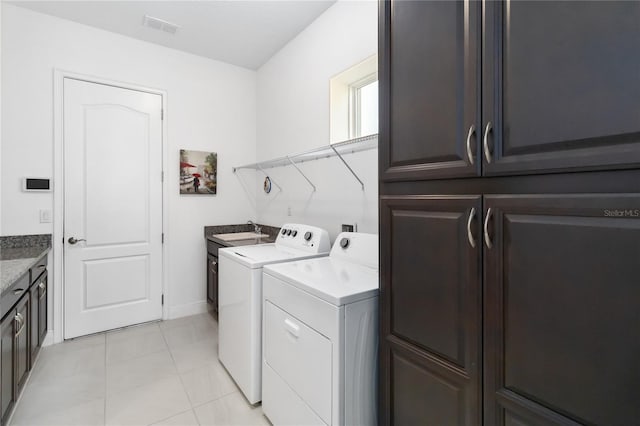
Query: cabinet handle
[[485, 142], [291, 327], [22, 323], [472, 216], [43, 289], [16, 319], [18, 290], [487, 238], [472, 131]]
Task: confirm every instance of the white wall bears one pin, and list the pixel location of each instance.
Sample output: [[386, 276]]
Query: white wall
[[1, 119], [211, 107], [293, 116]]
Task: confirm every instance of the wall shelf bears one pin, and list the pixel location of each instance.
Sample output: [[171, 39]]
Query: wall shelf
[[334, 150]]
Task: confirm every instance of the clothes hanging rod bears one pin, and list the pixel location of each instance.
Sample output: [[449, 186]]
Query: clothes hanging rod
[[337, 149]]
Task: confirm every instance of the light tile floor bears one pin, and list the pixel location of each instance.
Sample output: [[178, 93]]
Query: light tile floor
[[164, 373]]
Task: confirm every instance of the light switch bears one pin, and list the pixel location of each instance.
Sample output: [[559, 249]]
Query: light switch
[[45, 216]]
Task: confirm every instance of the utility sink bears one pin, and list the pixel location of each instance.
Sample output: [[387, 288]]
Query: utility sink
[[235, 236]]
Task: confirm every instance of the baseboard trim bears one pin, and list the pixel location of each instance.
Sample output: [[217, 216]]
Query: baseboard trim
[[48, 339], [187, 309]]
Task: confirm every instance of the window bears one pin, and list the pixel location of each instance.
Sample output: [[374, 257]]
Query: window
[[354, 101], [363, 107]]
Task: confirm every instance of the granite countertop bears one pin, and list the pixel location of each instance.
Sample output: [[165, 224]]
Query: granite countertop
[[20, 253]]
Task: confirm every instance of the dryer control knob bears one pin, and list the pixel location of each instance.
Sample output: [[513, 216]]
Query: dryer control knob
[[344, 243], [284, 231], [288, 231], [308, 235], [294, 233]]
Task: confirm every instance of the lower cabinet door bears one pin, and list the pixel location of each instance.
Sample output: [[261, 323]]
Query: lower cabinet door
[[562, 322], [42, 324], [34, 337], [22, 350], [212, 281], [7, 371], [430, 347]]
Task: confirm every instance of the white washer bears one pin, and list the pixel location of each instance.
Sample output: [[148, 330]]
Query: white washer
[[240, 299], [320, 336]]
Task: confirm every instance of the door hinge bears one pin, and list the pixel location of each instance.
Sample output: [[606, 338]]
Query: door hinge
[[163, 238], [162, 299], [162, 114]]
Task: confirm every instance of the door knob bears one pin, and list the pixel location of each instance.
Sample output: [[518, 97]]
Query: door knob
[[72, 240]]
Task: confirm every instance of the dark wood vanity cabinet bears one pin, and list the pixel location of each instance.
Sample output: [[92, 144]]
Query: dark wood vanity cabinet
[[22, 345], [38, 324], [7, 367], [22, 332], [212, 274], [212, 281], [43, 287], [509, 271]]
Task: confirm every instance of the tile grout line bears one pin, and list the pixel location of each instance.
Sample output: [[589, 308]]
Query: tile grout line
[[175, 415], [184, 389]]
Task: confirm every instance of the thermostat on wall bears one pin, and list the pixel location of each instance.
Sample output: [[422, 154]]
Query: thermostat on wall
[[36, 184]]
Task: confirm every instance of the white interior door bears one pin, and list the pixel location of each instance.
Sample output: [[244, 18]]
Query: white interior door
[[112, 206]]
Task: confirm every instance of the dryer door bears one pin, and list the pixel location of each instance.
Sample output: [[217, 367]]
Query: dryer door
[[301, 356]]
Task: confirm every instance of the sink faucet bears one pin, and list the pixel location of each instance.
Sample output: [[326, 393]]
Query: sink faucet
[[256, 228]]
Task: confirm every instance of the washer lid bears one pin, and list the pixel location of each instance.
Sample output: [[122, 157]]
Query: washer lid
[[334, 280], [263, 254]]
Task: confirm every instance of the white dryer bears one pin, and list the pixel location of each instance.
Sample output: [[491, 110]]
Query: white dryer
[[240, 298], [320, 336]]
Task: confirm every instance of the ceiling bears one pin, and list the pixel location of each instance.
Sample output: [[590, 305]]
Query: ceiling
[[243, 33]]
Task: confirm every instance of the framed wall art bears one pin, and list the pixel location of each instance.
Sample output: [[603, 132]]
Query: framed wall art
[[198, 172]]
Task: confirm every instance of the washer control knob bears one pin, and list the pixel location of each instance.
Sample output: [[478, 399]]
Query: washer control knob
[[307, 235], [284, 231], [288, 231], [294, 233], [344, 243]]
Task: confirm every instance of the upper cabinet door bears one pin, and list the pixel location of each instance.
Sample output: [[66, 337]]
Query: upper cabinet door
[[429, 84], [561, 89]]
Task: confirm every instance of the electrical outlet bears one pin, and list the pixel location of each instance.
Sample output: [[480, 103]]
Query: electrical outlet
[[347, 228], [288, 211]]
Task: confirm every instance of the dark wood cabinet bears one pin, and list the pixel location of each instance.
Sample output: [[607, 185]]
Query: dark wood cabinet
[[561, 310], [561, 85], [22, 332], [429, 89], [212, 274], [556, 89], [431, 317], [22, 345], [526, 312], [34, 337], [43, 286], [38, 323], [7, 370], [212, 281]]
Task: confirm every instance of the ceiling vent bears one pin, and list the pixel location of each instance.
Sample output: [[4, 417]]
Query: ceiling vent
[[160, 24]]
